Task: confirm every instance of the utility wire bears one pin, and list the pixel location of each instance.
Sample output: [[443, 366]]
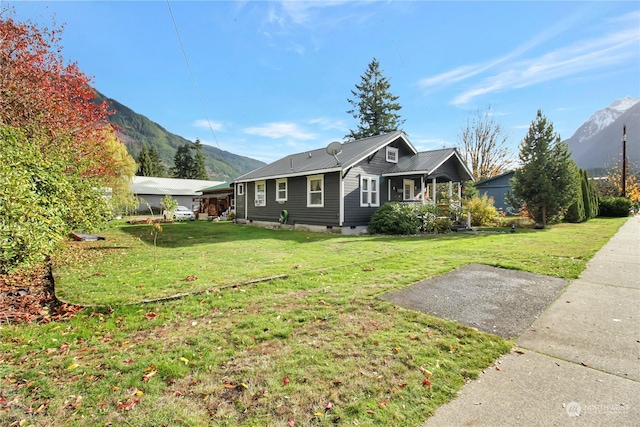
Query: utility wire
[[193, 79]]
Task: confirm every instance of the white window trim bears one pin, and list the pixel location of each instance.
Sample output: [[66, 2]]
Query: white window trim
[[313, 178], [404, 183], [241, 189], [286, 190], [369, 179], [263, 201], [391, 150]]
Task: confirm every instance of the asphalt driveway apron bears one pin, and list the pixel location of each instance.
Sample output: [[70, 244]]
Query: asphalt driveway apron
[[495, 300]]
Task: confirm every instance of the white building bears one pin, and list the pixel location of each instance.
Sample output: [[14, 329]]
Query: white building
[[151, 190]]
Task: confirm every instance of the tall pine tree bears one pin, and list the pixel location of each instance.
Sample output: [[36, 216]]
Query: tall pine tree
[[199, 168], [183, 163], [548, 180], [144, 163], [374, 106], [156, 163]]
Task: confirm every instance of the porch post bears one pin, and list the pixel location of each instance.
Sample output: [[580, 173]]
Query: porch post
[[459, 190], [423, 191], [435, 196], [450, 189], [388, 189]]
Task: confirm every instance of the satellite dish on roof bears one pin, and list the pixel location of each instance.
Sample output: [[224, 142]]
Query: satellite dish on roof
[[333, 149]]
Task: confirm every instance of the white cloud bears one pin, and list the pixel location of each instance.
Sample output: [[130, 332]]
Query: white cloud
[[203, 123], [610, 50], [326, 123], [280, 130], [513, 70]]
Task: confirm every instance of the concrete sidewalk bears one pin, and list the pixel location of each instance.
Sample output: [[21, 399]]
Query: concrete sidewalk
[[578, 364]]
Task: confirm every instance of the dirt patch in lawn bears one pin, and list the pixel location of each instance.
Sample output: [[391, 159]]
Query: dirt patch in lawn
[[27, 297], [495, 300]]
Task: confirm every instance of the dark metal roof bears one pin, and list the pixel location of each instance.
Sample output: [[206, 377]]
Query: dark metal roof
[[497, 177], [318, 161], [427, 163]]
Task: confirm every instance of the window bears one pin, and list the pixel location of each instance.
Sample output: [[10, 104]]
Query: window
[[281, 190], [315, 191], [240, 189], [261, 194], [392, 155], [369, 191], [407, 185]]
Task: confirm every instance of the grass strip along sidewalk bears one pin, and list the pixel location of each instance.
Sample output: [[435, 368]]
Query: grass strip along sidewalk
[[314, 347]]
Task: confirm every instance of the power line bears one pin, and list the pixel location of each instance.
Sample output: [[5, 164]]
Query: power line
[[193, 79]]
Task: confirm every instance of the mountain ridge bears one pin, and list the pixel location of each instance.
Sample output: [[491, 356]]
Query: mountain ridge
[[597, 144], [135, 129]]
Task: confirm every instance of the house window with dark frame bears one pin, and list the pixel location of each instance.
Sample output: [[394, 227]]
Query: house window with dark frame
[[281, 190], [392, 155], [369, 191], [407, 189], [240, 189], [315, 191], [261, 194]]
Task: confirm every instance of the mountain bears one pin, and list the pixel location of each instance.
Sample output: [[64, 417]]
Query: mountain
[[136, 129], [597, 144]]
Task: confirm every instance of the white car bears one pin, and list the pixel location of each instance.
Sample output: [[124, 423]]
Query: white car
[[181, 213]]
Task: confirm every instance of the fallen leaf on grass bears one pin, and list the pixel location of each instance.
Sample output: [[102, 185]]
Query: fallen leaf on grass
[[128, 404], [285, 380], [151, 315], [149, 375], [191, 278], [426, 373], [184, 360], [290, 422], [328, 406]]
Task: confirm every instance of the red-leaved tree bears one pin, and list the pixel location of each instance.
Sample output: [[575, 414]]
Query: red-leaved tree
[[39, 92], [58, 152]]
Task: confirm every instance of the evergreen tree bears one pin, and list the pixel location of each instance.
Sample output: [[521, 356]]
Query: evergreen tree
[[156, 162], [200, 170], [374, 106], [577, 212], [183, 163], [548, 180], [144, 163], [590, 194]]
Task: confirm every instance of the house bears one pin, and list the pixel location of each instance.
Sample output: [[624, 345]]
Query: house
[[497, 187], [216, 201], [338, 188], [152, 189]]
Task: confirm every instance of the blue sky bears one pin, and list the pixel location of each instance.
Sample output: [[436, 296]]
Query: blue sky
[[273, 78]]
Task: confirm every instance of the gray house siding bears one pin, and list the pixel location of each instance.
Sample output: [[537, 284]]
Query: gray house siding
[[296, 203], [354, 214], [497, 188]]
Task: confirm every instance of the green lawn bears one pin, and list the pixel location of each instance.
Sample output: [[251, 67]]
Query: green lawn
[[313, 346]]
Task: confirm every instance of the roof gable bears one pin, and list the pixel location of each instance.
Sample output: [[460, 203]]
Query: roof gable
[[319, 161], [428, 162]]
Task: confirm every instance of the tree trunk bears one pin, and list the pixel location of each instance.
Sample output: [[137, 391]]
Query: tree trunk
[[544, 216]]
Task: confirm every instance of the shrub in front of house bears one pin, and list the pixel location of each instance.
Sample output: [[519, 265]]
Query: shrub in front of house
[[394, 218], [483, 212], [442, 225], [614, 206], [405, 219]]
